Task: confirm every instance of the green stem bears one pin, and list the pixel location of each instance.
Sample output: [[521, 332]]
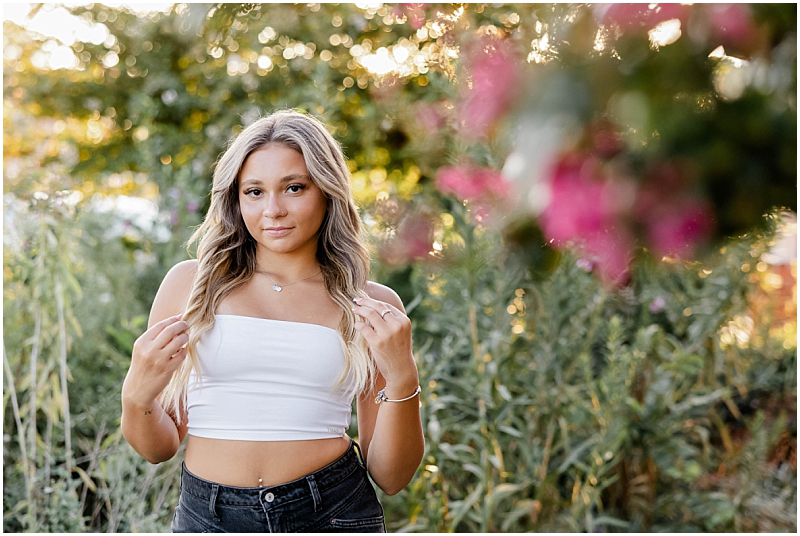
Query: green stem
[[48, 439], [62, 330], [20, 432], [37, 330]]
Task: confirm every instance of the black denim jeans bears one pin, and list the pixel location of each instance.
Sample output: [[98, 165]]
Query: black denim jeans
[[337, 498]]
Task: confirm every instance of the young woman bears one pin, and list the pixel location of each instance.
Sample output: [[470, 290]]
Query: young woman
[[256, 350]]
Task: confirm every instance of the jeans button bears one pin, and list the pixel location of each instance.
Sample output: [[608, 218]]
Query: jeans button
[[269, 497]]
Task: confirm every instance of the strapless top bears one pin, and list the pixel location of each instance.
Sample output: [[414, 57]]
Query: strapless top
[[268, 380]]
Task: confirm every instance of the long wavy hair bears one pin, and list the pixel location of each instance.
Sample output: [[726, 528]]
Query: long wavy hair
[[226, 253]]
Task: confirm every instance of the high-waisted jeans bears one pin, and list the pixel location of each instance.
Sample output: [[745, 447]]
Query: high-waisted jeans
[[337, 498]]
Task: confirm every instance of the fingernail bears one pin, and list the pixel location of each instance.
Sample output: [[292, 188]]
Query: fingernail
[[357, 299]]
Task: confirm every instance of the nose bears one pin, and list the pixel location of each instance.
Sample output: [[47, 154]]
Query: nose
[[273, 207]]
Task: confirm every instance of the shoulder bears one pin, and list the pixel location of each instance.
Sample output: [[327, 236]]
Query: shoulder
[[180, 277], [377, 291], [183, 269], [173, 294]]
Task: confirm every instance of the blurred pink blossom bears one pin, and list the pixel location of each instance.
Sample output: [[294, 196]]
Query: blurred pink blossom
[[415, 13], [430, 116], [415, 234], [679, 225], [470, 182], [611, 250], [636, 18], [413, 240], [605, 139], [657, 305], [590, 210], [489, 88], [675, 219], [582, 199], [731, 24], [586, 264]]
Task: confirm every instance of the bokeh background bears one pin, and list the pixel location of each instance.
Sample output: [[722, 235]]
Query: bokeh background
[[588, 211]]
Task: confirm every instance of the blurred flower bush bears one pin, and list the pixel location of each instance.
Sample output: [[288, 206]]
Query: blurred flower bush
[[569, 198]]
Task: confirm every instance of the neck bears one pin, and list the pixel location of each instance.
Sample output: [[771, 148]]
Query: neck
[[286, 269]]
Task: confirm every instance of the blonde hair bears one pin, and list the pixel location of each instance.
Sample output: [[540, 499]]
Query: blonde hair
[[226, 254]]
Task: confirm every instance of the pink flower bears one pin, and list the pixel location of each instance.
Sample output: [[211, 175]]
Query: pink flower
[[657, 305], [582, 200], [468, 182], [586, 264], [731, 23], [490, 84], [430, 116], [639, 18], [679, 225], [415, 234], [676, 220], [590, 210], [611, 250], [415, 13], [605, 139], [413, 240]]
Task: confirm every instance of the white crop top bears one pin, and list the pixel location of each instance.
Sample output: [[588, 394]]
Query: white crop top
[[268, 380]]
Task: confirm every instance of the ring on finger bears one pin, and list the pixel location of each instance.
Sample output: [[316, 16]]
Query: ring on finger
[[383, 313]]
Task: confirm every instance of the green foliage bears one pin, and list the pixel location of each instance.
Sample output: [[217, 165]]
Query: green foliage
[[599, 414]]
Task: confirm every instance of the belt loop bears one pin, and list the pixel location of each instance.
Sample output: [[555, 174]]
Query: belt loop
[[312, 483], [213, 500]]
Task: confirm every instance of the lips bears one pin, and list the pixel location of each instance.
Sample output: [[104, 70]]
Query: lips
[[278, 231]]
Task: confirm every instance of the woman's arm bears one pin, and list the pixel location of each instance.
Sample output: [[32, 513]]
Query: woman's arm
[[157, 353], [390, 433]]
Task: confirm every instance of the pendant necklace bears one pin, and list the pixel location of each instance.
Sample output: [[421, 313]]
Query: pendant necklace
[[277, 288]]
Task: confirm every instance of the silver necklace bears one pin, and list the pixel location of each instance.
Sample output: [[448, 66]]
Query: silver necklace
[[277, 288]]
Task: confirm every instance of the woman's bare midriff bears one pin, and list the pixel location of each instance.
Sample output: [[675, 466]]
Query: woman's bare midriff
[[242, 463]]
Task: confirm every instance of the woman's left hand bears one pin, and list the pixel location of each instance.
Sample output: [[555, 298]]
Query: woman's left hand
[[390, 340]]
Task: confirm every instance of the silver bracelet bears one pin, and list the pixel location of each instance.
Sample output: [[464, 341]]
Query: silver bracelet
[[382, 396]]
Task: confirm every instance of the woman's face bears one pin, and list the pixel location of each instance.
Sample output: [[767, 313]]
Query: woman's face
[[281, 206]]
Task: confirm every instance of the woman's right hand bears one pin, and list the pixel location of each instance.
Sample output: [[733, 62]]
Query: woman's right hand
[[157, 353]]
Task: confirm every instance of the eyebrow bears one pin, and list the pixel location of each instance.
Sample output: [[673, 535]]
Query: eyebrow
[[287, 178]]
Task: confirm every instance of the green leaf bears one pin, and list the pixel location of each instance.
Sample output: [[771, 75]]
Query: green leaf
[[462, 507], [576, 453]]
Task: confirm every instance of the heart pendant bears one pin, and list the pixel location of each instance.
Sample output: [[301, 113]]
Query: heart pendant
[[276, 287]]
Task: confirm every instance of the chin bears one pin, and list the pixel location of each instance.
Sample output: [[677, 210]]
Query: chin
[[279, 248], [280, 245]]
